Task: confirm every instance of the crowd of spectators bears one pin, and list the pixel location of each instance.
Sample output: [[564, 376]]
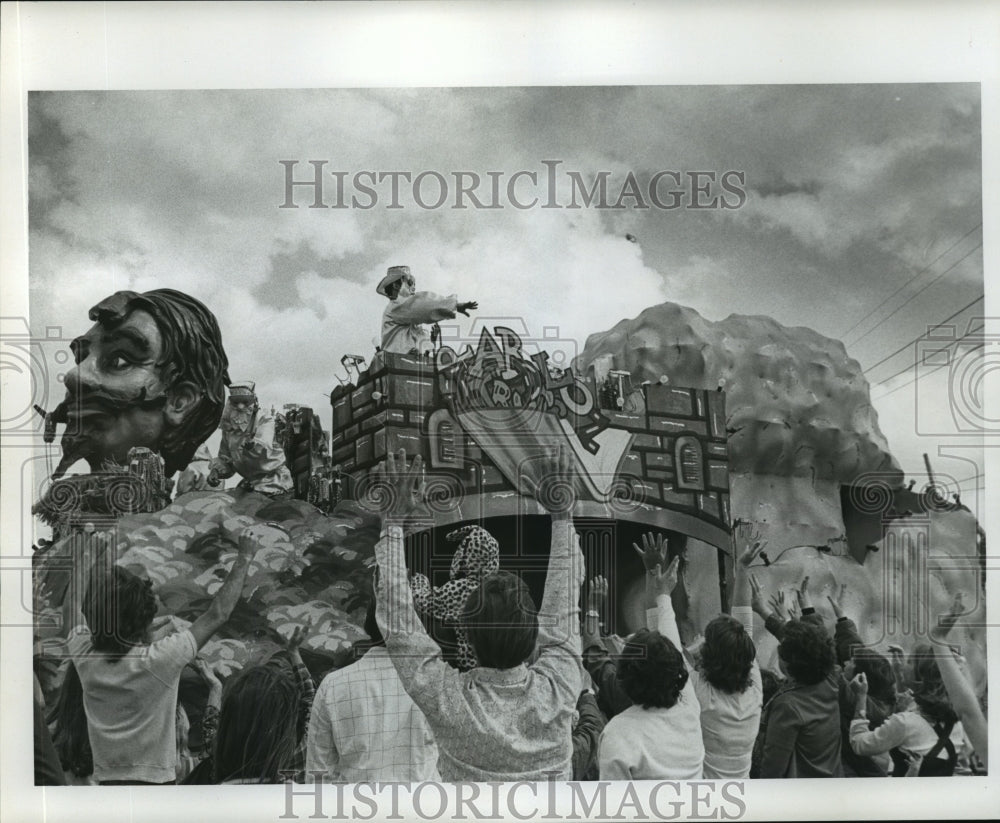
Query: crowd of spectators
[[540, 691]]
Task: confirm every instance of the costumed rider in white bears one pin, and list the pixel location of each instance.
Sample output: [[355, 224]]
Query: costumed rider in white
[[408, 310], [248, 446]]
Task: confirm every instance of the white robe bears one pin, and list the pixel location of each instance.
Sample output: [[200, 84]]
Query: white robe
[[402, 320]]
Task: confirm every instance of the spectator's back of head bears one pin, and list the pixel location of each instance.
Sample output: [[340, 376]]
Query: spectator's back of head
[[501, 621], [258, 726], [806, 652], [727, 655], [651, 670], [119, 607], [878, 670], [929, 691]]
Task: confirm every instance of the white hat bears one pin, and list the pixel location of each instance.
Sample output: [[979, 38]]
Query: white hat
[[393, 274]]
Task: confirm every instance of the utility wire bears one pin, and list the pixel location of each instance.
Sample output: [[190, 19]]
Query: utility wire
[[914, 380], [916, 294], [921, 337], [950, 344], [907, 283]]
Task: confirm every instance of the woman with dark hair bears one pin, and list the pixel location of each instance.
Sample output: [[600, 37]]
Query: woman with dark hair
[[800, 726], [803, 720], [928, 728], [726, 676], [258, 727], [69, 728], [881, 703], [659, 736]]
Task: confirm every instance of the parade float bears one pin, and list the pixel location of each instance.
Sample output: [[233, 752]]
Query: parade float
[[677, 424]]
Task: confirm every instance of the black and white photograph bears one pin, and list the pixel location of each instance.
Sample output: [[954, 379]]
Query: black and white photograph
[[466, 425]]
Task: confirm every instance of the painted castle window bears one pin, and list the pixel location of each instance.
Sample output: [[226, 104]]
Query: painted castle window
[[690, 467]]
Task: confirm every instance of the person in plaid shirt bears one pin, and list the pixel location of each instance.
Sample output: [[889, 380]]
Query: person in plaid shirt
[[364, 726]]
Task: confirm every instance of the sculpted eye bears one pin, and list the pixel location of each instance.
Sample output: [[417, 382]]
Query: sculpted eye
[[119, 362]]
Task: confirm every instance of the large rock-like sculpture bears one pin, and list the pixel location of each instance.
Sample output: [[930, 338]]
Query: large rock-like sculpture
[[797, 410], [803, 436]]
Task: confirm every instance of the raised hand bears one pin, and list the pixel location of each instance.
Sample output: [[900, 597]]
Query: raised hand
[[859, 688], [653, 552], [597, 593], [554, 489], [248, 542], [208, 675], [293, 641], [750, 553], [466, 307], [663, 581], [837, 604], [397, 491], [945, 624], [757, 598], [777, 604], [802, 593]]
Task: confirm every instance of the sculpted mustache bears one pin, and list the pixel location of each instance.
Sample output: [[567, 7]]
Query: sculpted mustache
[[114, 402]]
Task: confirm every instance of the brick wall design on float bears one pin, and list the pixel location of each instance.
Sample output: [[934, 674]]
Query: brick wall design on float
[[674, 475]]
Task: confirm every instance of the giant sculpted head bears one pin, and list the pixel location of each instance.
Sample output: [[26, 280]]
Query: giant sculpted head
[[150, 372]]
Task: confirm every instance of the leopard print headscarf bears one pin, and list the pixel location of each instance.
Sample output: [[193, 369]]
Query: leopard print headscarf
[[477, 555]]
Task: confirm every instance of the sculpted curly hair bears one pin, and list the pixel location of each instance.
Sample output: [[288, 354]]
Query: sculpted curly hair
[[501, 621], [807, 652], [727, 655], [118, 607], [651, 670]]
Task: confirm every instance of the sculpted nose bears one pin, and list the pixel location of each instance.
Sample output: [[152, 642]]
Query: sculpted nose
[[82, 376]]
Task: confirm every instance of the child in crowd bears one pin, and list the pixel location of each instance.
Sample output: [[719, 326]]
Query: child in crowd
[[129, 685], [925, 737], [880, 704]]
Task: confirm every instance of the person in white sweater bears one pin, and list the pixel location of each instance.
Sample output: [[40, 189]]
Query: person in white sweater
[[659, 736], [726, 675]]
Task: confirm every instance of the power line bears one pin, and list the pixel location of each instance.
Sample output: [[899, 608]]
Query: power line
[[914, 380], [950, 344], [916, 294], [918, 339], [907, 283]]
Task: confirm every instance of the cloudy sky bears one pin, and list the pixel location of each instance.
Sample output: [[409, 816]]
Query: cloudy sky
[[862, 218]]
